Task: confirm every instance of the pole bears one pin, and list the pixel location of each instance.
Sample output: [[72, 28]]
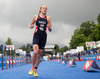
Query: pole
[[9, 56], [6, 56], [2, 55], [15, 58], [12, 56]]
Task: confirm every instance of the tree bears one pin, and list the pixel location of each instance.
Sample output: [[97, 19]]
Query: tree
[[87, 27], [88, 31], [26, 48], [97, 32], [77, 40], [23, 48], [8, 42], [82, 34], [56, 48], [63, 49], [98, 18]]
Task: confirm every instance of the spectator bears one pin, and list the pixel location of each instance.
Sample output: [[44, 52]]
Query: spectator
[[28, 55], [78, 55]]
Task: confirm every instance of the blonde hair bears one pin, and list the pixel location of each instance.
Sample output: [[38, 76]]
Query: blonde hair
[[41, 8]]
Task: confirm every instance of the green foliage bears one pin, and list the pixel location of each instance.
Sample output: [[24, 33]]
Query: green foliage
[[88, 31], [26, 48], [56, 48], [97, 32], [87, 27], [8, 42], [23, 48], [77, 40], [98, 18], [63, 49]]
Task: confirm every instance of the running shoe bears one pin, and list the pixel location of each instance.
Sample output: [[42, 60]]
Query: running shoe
[[31, 72], [35, 74]]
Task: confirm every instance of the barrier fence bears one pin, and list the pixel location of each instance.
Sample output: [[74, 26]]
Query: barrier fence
[[91, 57], [9, 61]]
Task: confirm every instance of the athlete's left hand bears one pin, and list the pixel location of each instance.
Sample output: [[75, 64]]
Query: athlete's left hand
[[50, 29]]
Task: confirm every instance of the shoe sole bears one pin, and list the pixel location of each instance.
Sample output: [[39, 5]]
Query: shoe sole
[[30, 74], [35, 76]]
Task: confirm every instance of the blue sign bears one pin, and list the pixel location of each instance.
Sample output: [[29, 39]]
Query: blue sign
[[90, 57], [4, 62]]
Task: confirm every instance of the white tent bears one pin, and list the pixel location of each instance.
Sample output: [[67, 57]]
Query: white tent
[[73, 51], [0, 55], [98, 45]]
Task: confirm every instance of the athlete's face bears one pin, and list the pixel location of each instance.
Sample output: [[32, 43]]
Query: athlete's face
[[44, 9]]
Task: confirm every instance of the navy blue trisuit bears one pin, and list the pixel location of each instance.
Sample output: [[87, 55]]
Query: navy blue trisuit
[[40, 35]]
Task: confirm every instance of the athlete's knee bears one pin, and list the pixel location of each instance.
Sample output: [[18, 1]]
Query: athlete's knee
[[35, 48], [35, 53]]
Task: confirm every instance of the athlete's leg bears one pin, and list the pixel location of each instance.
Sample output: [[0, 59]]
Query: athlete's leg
[[38, 57], [34, 56], [37, 62], [40, 53]]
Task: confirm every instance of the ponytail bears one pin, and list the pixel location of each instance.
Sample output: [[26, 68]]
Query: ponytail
[[40, 9]]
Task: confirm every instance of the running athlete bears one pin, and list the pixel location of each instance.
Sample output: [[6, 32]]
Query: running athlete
[[42, 22]]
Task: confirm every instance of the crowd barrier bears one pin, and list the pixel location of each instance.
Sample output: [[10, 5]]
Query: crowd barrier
[[13, 63], [92, 57], [8, 61]]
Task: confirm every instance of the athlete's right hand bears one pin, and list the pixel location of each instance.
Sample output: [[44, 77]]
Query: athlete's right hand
[[31, 26]]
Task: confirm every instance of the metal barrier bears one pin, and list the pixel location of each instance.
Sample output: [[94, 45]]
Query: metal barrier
[[90, 57], [8, 61]]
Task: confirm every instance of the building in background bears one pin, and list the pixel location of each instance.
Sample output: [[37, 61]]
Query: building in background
[[49, 50]]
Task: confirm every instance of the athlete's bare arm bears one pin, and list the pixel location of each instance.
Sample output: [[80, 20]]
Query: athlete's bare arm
[[33, 21], [49, 23]]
